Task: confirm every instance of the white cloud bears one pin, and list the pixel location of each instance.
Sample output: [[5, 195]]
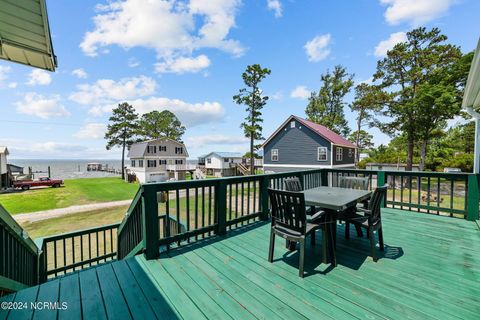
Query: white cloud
[[91, 131], [133, 62], [317, 49], [79, 73], [277, 96], [415, 12], [386, 45], [276, 7], [12, 85], [183, 65], [300, 92], [191, 114], [172, 28], [4, 71], [39, 77], [40, 106], [107, 91], [216, 139]]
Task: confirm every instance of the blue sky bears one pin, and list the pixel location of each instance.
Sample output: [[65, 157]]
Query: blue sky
[[188, 56]]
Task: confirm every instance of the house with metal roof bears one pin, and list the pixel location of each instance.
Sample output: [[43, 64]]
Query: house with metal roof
[[158, 160], [220, 164], [300, 144]]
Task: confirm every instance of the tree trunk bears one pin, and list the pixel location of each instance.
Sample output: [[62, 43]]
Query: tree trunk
[[123, 159], [410, 145], [423, 154], [357, 140], [252, 161]]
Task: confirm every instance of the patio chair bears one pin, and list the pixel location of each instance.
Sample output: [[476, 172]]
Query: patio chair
[[357, 183], [289, 221], [294, 184], [371, 219]]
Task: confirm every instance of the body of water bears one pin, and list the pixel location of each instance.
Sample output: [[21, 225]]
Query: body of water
[[65, 169], [69, 169]]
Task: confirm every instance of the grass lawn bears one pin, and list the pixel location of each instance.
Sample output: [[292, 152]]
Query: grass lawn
[[74, 222], [74, 192]]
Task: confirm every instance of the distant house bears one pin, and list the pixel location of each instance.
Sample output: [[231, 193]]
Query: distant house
[[299, 144], [390, 166], [4, 179], [220, 164], [158, 160]]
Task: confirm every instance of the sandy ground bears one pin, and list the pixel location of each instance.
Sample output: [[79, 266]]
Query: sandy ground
[[53, 213]]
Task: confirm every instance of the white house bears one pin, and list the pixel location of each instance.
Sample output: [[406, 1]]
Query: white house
[[220, 164], [3, 167], [158, 160]]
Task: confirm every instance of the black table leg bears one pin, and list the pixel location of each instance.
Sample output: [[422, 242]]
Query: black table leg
[[330, 236]]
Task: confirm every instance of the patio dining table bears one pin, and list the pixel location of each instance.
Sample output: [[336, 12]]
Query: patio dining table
[[333, 200]]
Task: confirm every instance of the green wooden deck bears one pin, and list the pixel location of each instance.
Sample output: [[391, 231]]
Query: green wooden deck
[[430, 270]]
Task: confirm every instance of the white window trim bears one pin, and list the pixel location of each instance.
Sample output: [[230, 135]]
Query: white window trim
[[338, 155], [318, 153], [272, 154]]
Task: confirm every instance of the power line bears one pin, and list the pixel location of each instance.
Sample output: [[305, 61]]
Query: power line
[[44, 123]]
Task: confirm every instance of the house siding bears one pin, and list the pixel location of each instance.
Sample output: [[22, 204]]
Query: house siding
[[296, 146], [347, 158]]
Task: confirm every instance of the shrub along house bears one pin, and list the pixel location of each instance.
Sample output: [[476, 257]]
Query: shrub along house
[[158, 160], [299, 144]]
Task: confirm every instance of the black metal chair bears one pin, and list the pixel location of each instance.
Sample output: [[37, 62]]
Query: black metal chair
[[289, 221], [371, 219]]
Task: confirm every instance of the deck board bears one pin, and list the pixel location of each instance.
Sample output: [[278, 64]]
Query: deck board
[[429, 270]]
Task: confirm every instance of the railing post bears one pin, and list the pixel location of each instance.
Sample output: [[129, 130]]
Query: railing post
[[472, 197], [151, 232], [381, 183], [324, 177], [264, 197], [380, 178], [221, 207]]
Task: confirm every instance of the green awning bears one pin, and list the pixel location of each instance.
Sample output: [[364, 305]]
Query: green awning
[[471, 97], [25, 33]]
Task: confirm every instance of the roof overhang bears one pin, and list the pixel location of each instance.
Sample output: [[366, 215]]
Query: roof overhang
[[471, 97], [25, 34]]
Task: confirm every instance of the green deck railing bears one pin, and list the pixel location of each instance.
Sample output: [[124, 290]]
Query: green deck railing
[[19, 267], [73, 251], [214, 206]]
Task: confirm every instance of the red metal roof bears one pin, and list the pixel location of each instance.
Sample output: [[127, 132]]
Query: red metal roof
[[326, 133]]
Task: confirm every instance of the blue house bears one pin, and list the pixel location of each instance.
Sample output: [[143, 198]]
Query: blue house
[[300, 144]]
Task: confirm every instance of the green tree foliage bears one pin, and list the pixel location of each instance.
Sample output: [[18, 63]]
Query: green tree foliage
[[327, 106], [362, 139], [165, 124], [121, 130], [252, 97], [410, 74], [368, 100]]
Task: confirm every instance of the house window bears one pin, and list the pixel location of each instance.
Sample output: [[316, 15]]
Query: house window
[[209, 160], [151, 149], [162, 148], [178, 161], [339, 154], [274, 155], [178, 150], [226, 159], [322, 154], [133, 163], [292, 124], [151, 163], [140, 163], [162, 161]]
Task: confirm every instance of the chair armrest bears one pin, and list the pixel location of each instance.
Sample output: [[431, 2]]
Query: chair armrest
[[317, 215], [364, 210]]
